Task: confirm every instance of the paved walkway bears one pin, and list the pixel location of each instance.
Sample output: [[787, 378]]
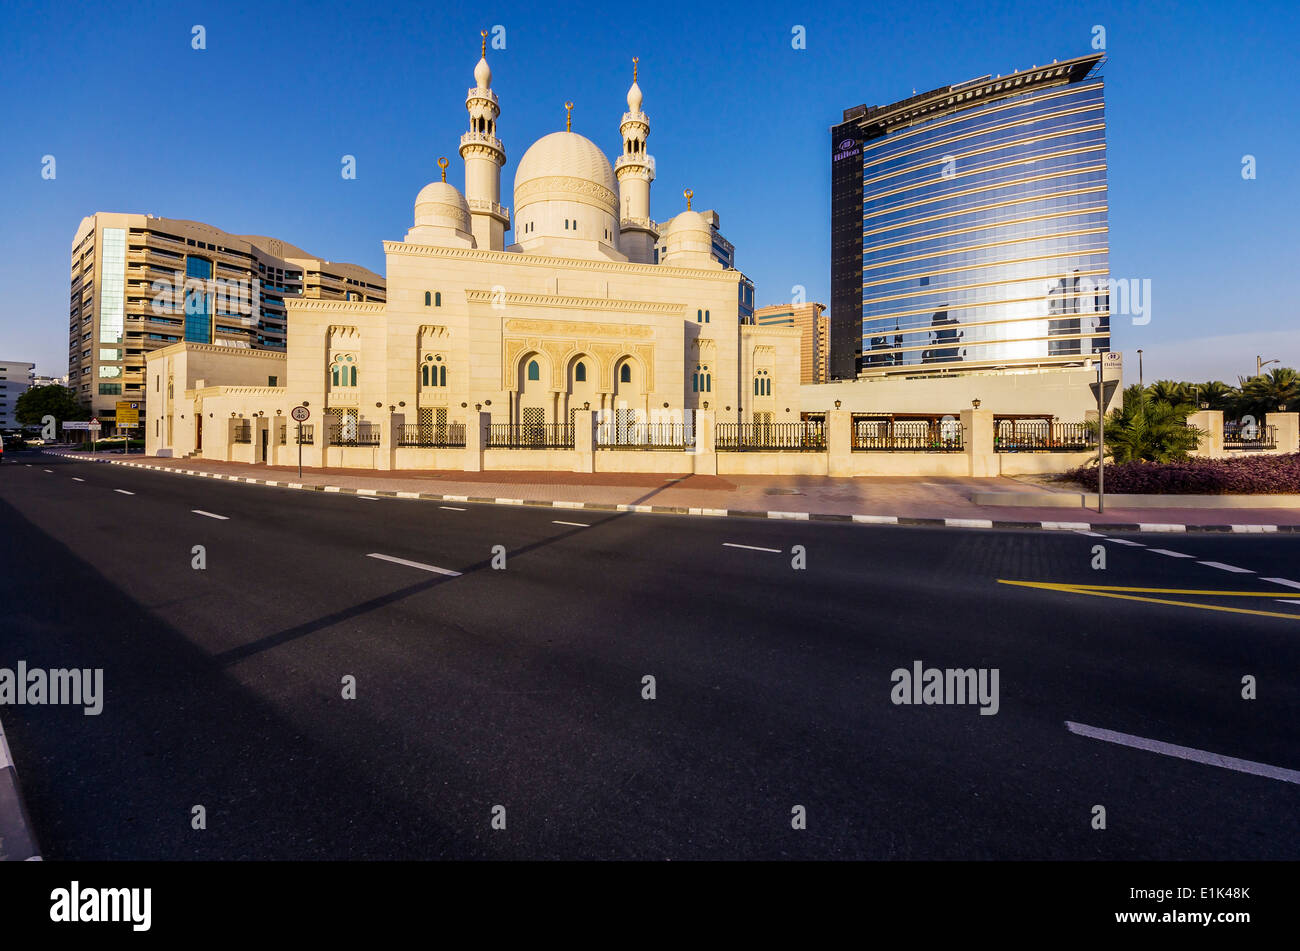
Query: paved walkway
[[910, 498]]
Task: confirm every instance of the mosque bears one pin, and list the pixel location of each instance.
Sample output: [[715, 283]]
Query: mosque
[[593, 305]]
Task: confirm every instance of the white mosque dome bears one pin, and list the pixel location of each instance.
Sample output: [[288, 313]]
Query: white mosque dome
[[634, 99], [483, 74], [688, 241], [441, 216], [573, 165]]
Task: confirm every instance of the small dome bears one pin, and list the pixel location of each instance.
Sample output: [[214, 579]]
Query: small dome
[[686, 222], [688, 242], [634, 98], [441, 215], [573, 167], [483, 74]]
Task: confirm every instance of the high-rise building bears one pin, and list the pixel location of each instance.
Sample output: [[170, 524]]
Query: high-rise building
[[140, 283], [810, 322], [15, 379], [969, 227]]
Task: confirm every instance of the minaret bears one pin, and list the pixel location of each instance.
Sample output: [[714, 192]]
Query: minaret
[[635, 170], [484, 155]]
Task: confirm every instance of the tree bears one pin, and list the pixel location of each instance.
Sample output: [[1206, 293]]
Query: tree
[[37, 402], [1170, 391], [1263, 394], [1220, 396], [1151, 430]]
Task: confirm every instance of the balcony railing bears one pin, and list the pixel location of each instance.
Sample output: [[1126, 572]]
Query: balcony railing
[[530, 436], [907, 436], [360, 434], [805, 436], [1042, 436], [667, 436], [434, 436], [1250, 437]]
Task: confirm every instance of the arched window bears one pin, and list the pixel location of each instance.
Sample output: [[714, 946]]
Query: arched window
[[437, 299], [756, 385], [580, 373], [428, 298], [702, 381], [424, 375], [344, 371], [625, 373], [534, 371], [706, 316], [442, 376], [699, 316]]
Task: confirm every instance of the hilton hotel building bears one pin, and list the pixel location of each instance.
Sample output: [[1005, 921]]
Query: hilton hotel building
[[112, 318]]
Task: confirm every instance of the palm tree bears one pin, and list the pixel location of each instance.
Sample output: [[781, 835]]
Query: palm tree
[[1220, 396], [1148, 429], [1169, 391], [1269, 391]]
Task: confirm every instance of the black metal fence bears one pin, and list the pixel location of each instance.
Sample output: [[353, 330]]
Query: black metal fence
[[1250, 437], [244, 431], [307, 432], [1034, 435], [358, 434], [530, 436], [668, 436], [910, 435], [435, 436], [804, 436]]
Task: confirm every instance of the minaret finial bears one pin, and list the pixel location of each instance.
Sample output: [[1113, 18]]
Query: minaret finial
[[568, 117], [635, 60], [442, 164], [483, 52], [689, 195]]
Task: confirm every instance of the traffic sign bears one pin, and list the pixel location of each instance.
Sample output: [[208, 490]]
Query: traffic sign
[[128, 414], [1110, 391], [300, 414], [1112, 360]]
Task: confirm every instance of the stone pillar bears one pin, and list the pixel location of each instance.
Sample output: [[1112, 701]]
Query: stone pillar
[[476, 433], [387, 443], [839, 442], [1288, 430], [1211, 421], [584, 440], [977, 430], [706, 454]]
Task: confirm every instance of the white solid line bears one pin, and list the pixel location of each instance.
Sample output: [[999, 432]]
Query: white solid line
[[776, 551], [968, 522], [1160, 527], [797, 516], [365, 498], [574, 524], [1081, 527], [1171, 554], [1222, 567], [1254, 529], [451, 508], [876, 519], [1186, 752], [223, 518], [1283, 581], [78, 479], [1125, 541], [414, 564], [124, 492], [1288, 601]]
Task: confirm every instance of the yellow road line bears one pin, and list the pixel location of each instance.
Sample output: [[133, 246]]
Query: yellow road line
[[1104, 591]]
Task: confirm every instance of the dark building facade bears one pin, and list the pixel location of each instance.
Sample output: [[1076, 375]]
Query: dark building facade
[[969, 227]]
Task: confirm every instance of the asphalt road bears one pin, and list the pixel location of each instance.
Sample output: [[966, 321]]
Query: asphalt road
[[523, 688]]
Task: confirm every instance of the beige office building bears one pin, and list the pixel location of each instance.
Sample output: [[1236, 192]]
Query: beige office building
[[808, 319], [140, 283]]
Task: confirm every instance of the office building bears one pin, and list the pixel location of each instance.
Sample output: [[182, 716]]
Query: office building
[[15, 379], [811, 323]]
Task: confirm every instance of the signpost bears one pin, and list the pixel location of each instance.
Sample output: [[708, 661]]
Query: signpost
[[1103, 390], [94, 433], [128, 417], [300, 415]]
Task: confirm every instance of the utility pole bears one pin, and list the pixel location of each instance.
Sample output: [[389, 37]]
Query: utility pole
[[1260, 363], [1140, 386]]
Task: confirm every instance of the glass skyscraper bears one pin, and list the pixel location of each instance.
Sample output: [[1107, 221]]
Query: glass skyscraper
[[969, 227]]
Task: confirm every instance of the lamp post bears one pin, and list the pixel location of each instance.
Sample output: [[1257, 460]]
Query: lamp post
[[1260, 363], [1140, 386]]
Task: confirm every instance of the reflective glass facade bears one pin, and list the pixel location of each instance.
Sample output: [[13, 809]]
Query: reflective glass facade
[[984, 228], [198, 303], [112, 286]]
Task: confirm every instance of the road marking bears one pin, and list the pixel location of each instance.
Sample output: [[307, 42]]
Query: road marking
[[574, 524], [1171, 554], [223, 518], [1108, 591], [49, 470], [1222, 567], [968, 522], [365, 498], [1125, 541], [1185, 752], [751, 547], [415, 564], [451, 508], [78, 479], [1090, 534], [1283, 581], [124, 492]]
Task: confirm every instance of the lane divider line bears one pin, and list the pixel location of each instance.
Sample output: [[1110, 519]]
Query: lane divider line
[[1185, 752], [574, 524], [1171, 554], [224, 518], [415, 564], [1222, 567], [124, 491], [776, 551]]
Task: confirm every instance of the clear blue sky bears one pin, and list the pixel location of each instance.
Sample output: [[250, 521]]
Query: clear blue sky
[[248, 134]]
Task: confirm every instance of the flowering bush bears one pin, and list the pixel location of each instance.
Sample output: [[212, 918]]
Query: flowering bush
[[1249, 475]]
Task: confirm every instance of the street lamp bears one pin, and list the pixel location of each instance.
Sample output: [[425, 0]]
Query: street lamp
[[1140, 368], [1260, 363], [975, 403]]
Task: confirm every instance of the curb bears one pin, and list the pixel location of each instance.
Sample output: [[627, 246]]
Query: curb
[[904, 520], [17, 840]]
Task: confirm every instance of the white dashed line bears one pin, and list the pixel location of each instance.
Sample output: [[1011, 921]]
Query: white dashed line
[[48, 470], [415, 564], [574, 524], [776, 551], [124, 492], [78, 479], [1186, 752], [1090, 534], [1125, 541], [1222, 567], [364, 498], [451, 508], [223, 518], [1171, 554], [1283, 581]]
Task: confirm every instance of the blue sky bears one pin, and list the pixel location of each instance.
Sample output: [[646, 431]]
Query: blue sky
[[249, 134]]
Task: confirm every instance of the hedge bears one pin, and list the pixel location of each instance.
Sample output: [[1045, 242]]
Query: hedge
[[1249, 475]]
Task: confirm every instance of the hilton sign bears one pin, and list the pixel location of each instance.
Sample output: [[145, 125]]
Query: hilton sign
[[846, 149]]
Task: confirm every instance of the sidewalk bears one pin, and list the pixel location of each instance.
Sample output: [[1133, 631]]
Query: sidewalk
[[908, 500]]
